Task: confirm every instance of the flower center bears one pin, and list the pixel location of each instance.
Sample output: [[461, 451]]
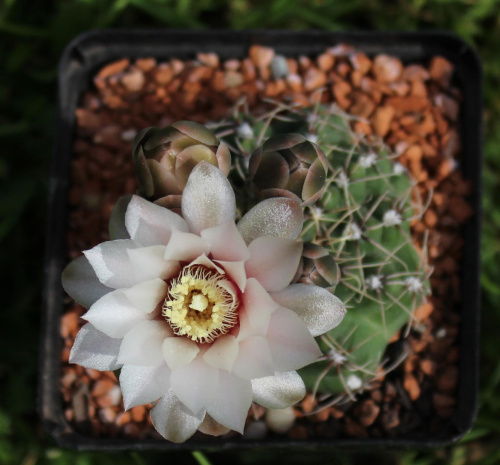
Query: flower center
[[199, 305]]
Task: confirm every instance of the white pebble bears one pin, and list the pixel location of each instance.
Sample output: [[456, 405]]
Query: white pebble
[[280, 420]]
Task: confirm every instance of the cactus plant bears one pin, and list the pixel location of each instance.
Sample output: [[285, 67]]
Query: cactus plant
[[359, 230]]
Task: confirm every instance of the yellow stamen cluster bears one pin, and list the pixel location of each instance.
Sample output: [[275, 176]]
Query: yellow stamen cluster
[[198, 307]]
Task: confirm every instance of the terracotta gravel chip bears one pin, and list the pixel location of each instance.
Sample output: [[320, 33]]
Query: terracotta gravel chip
[[382, 120], [441, 70], [314, 79], [386, 68], [113, 68], [261, 56]]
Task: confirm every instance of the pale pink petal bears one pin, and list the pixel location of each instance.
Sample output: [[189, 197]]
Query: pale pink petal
[[149, 224], [236, 271], [147, 295], [80, 282], [245, 330], [185, 246], [231, 401], [211, 427], [208, 198], [117, 228], [195, 384], [114, 315], [319, 309], [222, 353], [226, 243], [110, 261], [279, 391], [179, 351], [254, 359], [273, 261], [258, 306], [141, 346], [291, 343], [142, 385], [93, 349], [231, 288], [173, 420], [148, 263], [205, 261], [277, 217]]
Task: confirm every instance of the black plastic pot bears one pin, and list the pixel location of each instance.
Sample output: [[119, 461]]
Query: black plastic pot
[[85, 55]]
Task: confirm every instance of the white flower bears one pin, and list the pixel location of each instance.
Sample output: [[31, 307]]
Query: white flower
[[197, 312], [391, 218]]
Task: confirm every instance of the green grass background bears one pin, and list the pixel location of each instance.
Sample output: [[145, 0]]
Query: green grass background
[[32, 37]]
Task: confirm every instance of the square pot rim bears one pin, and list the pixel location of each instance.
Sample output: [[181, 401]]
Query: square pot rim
[[83, 57]]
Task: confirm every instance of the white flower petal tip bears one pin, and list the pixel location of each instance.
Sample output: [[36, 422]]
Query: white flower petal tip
[[254, 359], [208, 199], [142, 345], [173, 420], [222, 353], [149, 224], [195, 384], [114, 315], [149, 263], [147, 295], [142, 385], [179, 351], [231, 401], [276, 217], [110, 261], [279, 391], [226, 242], [319, 309], [292, 345], [185, 246], [81, 283], [273, 261], [259, 306], [280, 420], [93, 349]]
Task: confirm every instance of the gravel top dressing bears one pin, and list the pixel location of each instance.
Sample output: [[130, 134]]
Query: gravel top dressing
[[415, 108]]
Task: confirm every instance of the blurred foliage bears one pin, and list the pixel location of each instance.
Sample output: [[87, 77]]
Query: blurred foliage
[[32, 36]]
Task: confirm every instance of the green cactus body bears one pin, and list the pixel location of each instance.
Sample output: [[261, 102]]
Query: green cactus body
[[363, 220]]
